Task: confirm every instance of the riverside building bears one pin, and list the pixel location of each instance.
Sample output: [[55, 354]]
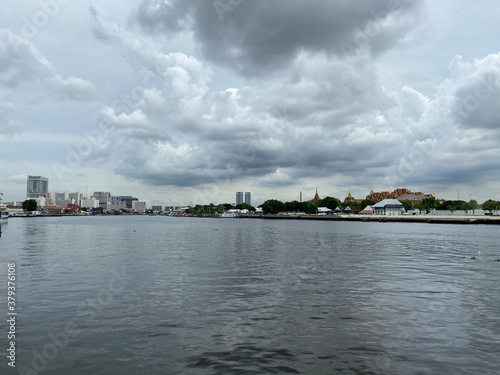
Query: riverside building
[[239, 197], [37, 186]]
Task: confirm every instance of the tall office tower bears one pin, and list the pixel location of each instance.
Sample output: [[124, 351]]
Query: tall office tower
[[248, 198], [239, 197], [36, 186], [76, 196]]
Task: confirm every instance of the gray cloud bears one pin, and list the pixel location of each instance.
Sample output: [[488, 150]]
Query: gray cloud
[[71, 88], [477, 92], [259, 37], [7, 124], [19, 61], [320, 116], [275, 94]]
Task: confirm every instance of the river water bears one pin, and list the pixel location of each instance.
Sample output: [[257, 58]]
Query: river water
[[163, 295]]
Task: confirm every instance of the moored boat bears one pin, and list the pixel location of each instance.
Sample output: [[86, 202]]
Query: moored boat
[[228, 214], [4, 215]]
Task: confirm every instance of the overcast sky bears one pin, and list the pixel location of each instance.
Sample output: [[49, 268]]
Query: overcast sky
[[182, 102]]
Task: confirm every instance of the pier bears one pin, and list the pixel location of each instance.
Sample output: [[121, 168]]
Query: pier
[[431, 219]]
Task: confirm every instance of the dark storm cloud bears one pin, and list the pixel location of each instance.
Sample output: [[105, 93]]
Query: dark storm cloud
[[267, 93], [316, 115], [311, 120], [257, 37]]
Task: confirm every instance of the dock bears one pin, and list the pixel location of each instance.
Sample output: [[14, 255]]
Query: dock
[[430, 219]]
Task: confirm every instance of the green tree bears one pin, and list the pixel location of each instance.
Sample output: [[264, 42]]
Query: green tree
[[30, 205], [490, 205], [367, 202], [293, 206], [465, 206], [330, 202], [272, 206], [454, 206], [408, 205], [473, 205], [227, 206], [307, 207], [427, 204]]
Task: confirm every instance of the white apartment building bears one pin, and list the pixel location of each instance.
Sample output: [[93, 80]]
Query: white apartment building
[[139, 206], [90, 203]]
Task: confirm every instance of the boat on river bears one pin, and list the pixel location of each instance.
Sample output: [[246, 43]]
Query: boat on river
[[4, 215]]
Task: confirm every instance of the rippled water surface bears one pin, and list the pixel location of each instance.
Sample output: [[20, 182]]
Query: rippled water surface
[[161, 295]]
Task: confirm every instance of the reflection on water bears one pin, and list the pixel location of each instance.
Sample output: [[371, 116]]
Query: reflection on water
[[159, 295]]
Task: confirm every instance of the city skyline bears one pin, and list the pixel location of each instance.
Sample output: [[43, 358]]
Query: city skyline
[[104, 199], [201, 101]]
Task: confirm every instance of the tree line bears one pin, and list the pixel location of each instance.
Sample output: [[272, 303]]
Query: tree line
[[212, 209], [273, 206]]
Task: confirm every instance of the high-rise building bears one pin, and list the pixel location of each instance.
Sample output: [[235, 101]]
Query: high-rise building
[[37, 186], [103, 197], [239, 197], [58, 197], [248, 198], [129, 199], [76, 196]]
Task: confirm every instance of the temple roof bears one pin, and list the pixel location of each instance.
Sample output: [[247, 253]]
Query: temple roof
[[316, 197]]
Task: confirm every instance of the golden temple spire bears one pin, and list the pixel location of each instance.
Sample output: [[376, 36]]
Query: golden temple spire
[[316, 197]]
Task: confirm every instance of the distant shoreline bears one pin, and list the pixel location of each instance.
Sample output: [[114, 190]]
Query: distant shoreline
[[431, 219]]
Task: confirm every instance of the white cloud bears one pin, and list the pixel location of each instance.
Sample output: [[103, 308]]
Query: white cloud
[[71, 88], [136, 119], [18, 179]]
